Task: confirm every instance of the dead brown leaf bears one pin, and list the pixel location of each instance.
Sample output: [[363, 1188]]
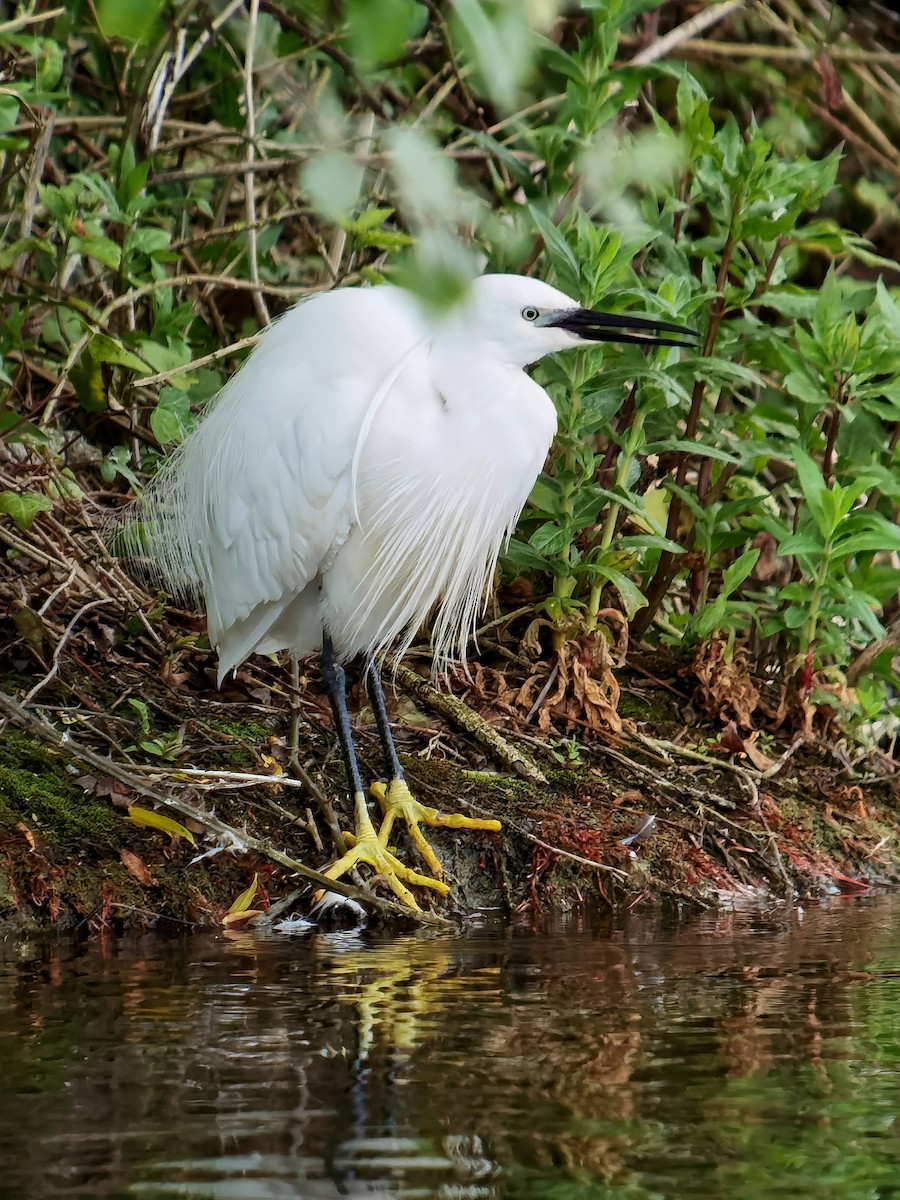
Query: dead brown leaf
[[769, 565], [28, 835], [119, 793], [731, 740], [138, 868], [30, 626], [587, 691], [726, 689], [761, 761], [171, 673], [630, 796], [619, 648], [524, 697]]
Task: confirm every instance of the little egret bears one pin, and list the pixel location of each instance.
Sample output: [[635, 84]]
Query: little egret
[[360, 473]]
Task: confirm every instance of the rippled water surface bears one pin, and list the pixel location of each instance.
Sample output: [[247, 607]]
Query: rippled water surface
[[737, 1055]]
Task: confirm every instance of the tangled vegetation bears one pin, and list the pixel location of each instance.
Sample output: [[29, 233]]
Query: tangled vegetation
[[175, 174]]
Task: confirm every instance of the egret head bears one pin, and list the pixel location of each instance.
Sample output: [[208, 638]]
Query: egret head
[[527, 319]]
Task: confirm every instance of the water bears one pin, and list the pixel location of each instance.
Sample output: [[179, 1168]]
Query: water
[[736, 1055]]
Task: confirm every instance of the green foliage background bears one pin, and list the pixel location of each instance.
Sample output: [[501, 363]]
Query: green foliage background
[[175, 174]]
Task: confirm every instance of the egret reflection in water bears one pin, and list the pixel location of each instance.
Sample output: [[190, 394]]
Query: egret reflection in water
[[733, 1055], [398, 995]]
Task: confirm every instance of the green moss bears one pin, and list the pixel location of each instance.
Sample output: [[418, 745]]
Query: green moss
[[246, 733], [791, 808], [35, 789], [650, 705], [440, 782], [7, 900]]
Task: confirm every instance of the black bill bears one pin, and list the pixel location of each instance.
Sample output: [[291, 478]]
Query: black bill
[[620, 327]]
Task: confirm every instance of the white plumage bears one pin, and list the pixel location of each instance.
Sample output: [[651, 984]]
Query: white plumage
[[363, 466]]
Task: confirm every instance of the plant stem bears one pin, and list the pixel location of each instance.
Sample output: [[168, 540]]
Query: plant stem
[[809, 629], [611, 521], [667, 565], [563, 580], [832, 427]]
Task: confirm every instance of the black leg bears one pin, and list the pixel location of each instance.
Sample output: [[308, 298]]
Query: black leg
[[335, 680], [325, 805], [368, 846], [375, 689]]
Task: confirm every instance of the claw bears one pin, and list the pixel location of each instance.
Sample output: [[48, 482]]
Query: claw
[[368, 847], [397, 800]]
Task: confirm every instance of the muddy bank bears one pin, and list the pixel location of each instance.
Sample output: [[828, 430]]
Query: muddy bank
[[712, 825]]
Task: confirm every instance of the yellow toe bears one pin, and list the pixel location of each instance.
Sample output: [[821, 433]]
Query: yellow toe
[[397, 801], [367, 848]]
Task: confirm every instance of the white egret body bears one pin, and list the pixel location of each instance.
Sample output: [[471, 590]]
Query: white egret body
[[364, 467]]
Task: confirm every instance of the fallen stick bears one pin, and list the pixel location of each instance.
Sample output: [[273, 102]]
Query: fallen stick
[[466, 718]]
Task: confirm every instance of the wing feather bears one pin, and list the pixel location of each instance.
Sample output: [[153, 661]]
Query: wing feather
[[258, 499]]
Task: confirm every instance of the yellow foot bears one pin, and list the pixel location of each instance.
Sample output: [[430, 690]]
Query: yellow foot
[[397, 800], [368, 847]]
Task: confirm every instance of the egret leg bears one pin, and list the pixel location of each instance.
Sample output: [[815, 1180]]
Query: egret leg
[[325, 805], [365, 846], [396, 800]]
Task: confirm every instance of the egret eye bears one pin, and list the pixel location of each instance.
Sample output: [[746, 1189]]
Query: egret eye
[[530, 314]]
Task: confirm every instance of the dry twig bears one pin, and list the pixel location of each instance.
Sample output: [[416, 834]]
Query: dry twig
[[236, 837]]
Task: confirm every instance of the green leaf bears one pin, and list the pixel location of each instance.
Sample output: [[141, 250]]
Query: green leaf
[[153, 747], [735, 575], [23, 507], [143, 713], [586, 506], [108, 350], [497, 38], [549, 538], [800, 544], [103, 249], [133, 183], [792, 302], [794, 616], [130, 20], [558, 248], [370, 219], [888, 310], [15, 428], [333, 182], [545, 496], [604, 403], [829, 308], [624, 500], [89, 384], [873, 541], [691, 448], [118, 462], [379, 29], [147, 239], [9, 111], [171, 419], [245, 899], [629, 593], [64, 486], [521, 557], [649, 541], [807, 389], [814, 491]]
